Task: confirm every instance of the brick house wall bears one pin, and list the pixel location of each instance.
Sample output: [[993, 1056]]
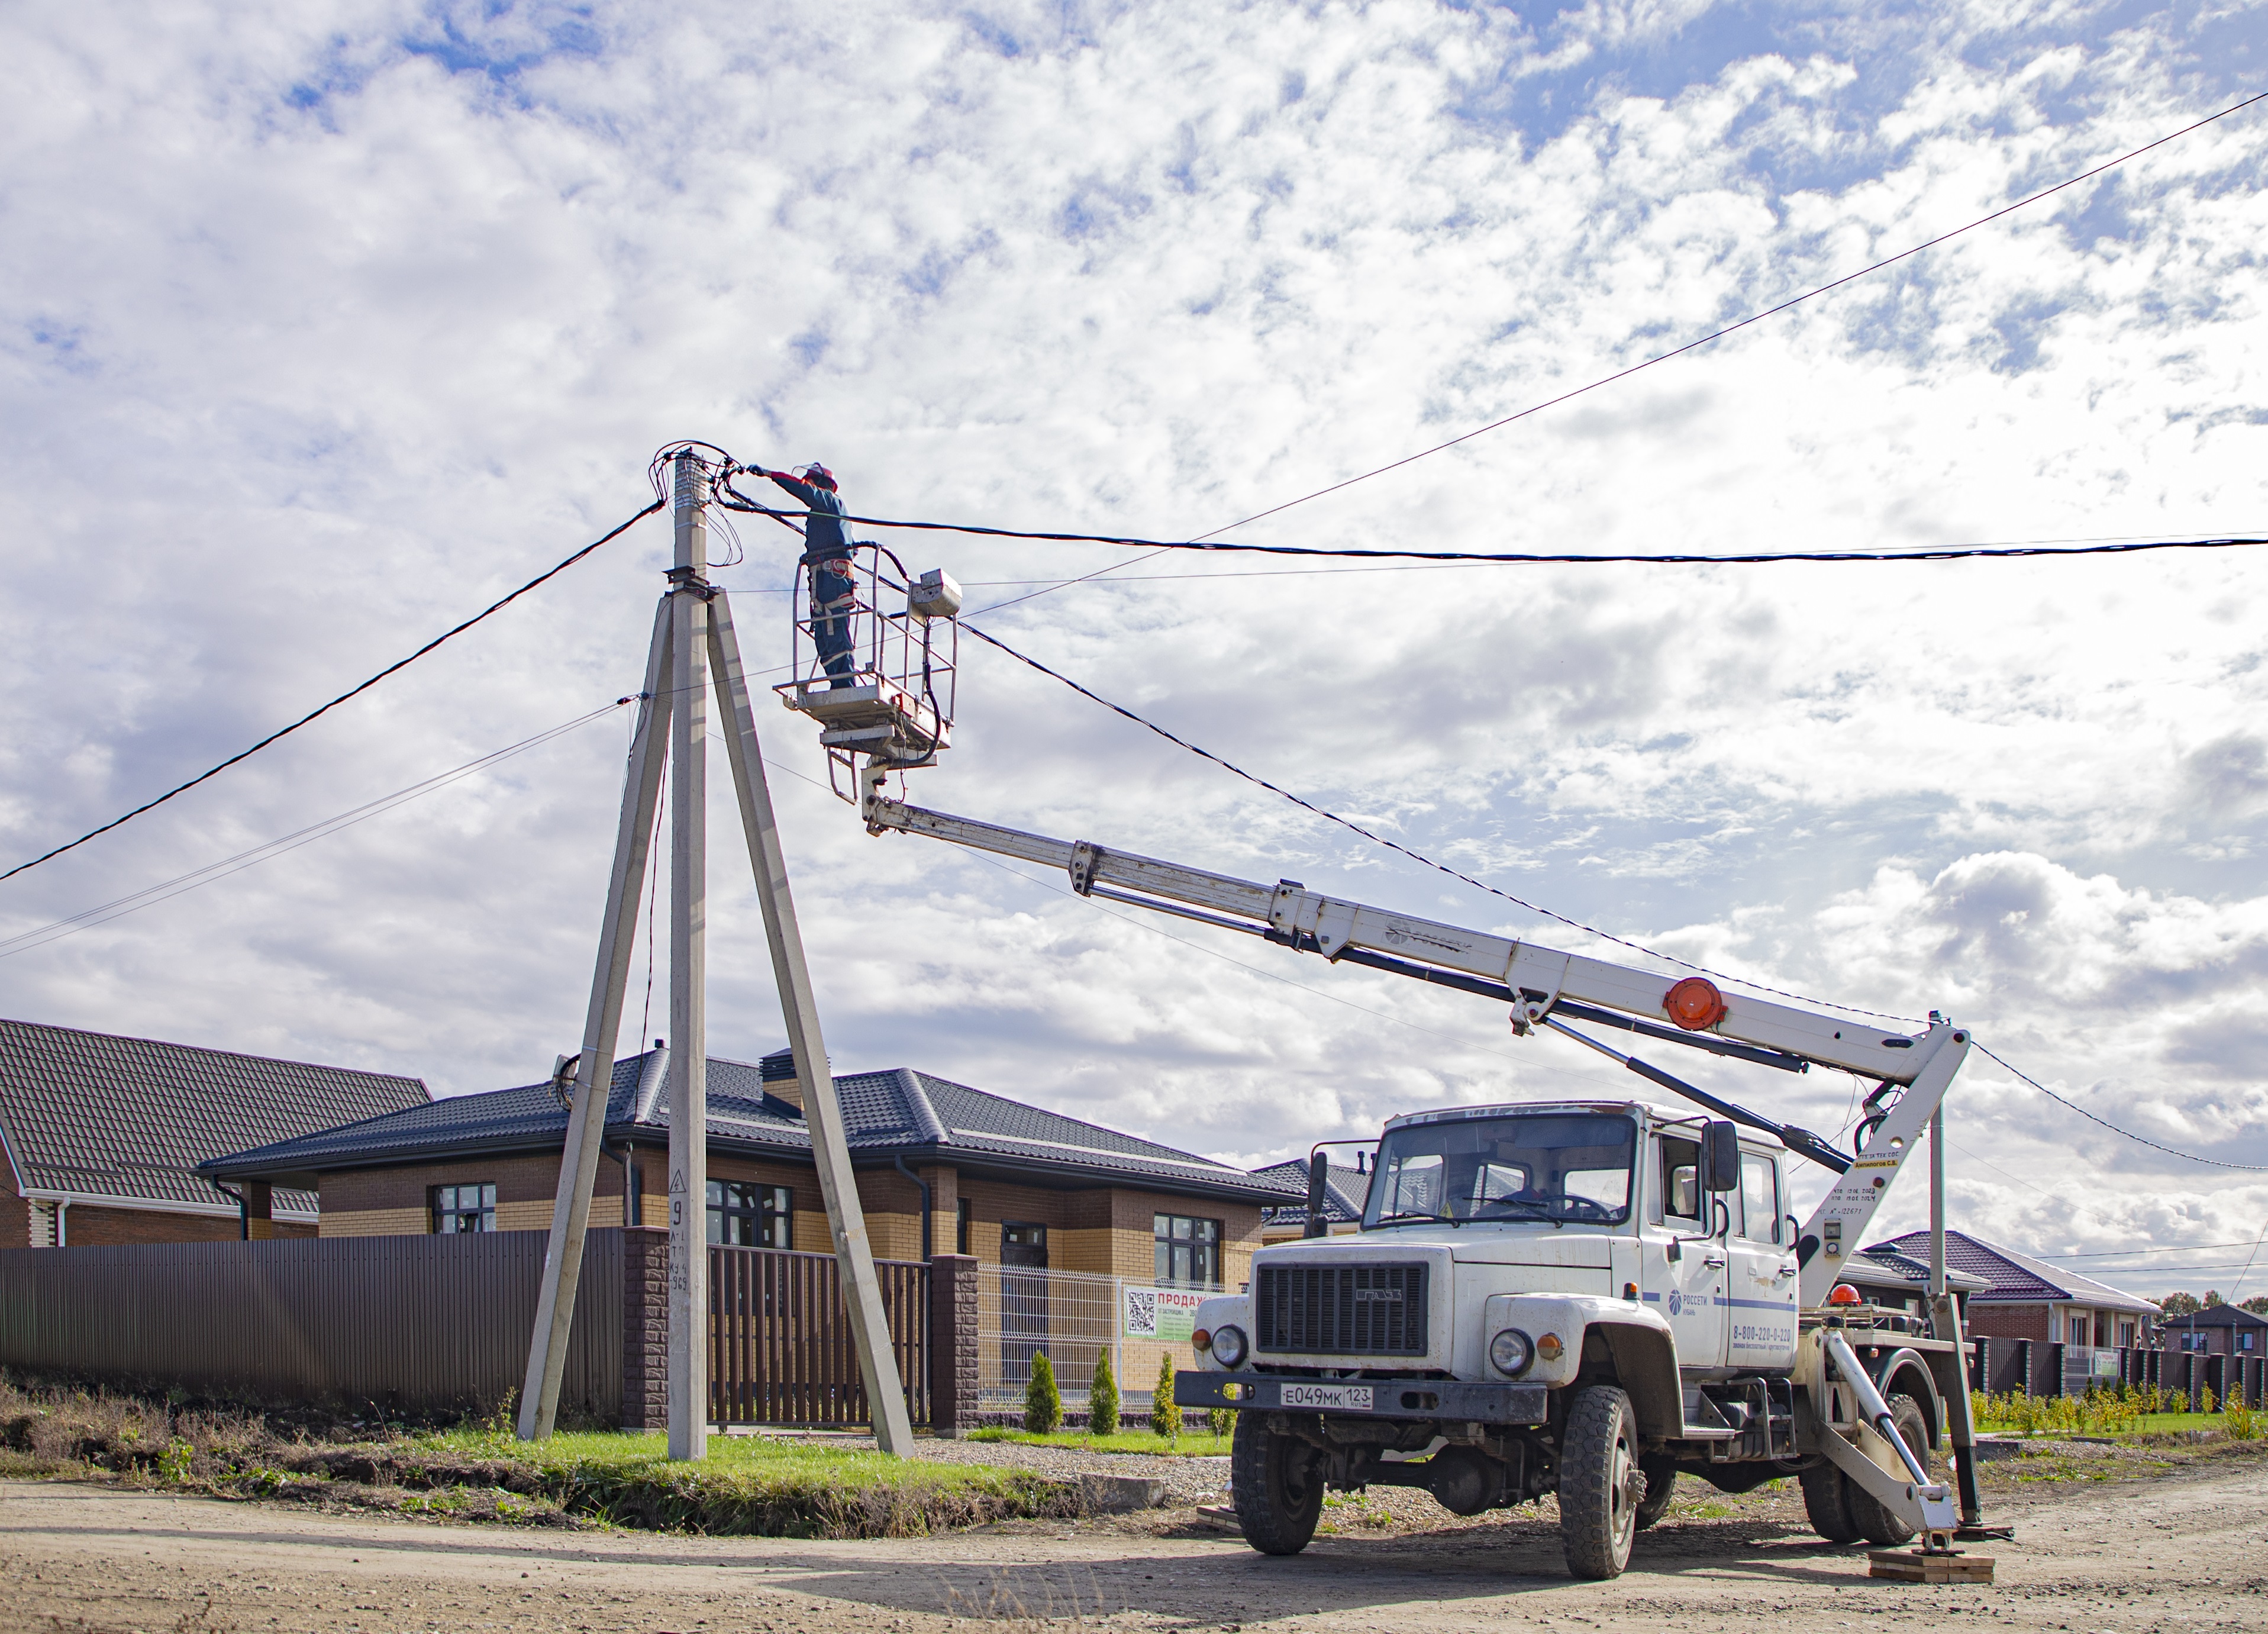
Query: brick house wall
[[2009, 1321], [15, 1222], [87, 1225], [1101, 1229]]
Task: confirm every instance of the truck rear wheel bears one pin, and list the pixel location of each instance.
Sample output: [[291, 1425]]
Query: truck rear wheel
[[1277, 1484], [1876, 1523], [1660, 1486], [1824, 1505], [1600, 1484]]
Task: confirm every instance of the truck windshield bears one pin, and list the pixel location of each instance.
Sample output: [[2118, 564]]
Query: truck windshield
[[1559, 1166]]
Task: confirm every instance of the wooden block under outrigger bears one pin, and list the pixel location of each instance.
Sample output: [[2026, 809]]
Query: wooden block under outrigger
[[1914, 1565]]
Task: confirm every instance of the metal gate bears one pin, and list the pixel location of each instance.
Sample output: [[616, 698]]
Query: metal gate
[[780, 1350]]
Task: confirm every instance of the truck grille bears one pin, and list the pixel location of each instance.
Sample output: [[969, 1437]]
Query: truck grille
[[1341, 1310]]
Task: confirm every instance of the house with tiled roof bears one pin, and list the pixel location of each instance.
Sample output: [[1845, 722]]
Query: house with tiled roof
[[941, 1167], [2218, 1330], [102, 1136], [1344, 1193], [2026, 1298]]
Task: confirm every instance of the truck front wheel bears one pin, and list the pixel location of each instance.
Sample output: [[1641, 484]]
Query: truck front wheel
[[1277, 1484], [1601, 1484]]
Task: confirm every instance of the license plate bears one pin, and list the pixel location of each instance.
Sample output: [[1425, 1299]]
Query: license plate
[[1342, 1398]]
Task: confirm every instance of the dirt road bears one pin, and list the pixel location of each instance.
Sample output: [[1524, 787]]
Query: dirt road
[[2189, 1550]]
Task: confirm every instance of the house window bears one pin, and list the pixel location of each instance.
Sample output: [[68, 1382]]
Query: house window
[[2192, 1340], [744, 1215], [2245, 1341], [464, 1208], [1188, 1250], [964, 1223], [2079, 1332], [2125, 1335]]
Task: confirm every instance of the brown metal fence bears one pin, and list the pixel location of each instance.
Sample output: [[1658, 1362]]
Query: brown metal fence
[[422, 1322], [779, 1340]]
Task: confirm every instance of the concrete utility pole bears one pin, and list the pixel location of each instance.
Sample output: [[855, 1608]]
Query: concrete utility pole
[[688, 969], [693, 635]]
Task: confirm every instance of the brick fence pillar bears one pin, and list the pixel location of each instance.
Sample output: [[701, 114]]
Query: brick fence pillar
[[954, 1384], [645, 1328]]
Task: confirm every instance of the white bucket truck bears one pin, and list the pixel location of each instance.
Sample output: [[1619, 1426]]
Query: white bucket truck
[[1584, 1298]]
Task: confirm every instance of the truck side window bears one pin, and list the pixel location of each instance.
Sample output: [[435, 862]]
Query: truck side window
[[1760, 1199], [1680, 1167]]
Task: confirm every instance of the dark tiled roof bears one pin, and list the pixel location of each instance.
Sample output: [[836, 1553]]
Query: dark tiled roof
[[1884, 1265], [884, 1113], [98, 1115], [1342, 1202], [2013, 1278], [2219, 1316]]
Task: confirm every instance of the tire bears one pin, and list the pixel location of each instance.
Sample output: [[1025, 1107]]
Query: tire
[[1277, 1484], [1874, 1522], [1601, 1484], [1824, 1491], [1660, 1484]]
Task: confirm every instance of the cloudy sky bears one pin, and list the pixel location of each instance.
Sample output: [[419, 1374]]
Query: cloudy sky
[[326, 323]]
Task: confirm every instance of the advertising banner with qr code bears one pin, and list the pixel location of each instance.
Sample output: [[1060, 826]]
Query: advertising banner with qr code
[[1166, 1315]]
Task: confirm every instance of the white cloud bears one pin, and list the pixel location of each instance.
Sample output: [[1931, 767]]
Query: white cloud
[[322, 325]]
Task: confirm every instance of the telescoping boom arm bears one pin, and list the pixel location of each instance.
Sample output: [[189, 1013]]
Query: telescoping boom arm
[[1544, 987]]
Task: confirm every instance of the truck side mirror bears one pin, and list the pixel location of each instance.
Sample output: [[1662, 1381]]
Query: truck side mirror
[[1720, 1157]]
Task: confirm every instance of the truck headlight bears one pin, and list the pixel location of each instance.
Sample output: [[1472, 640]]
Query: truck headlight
[[1509, 1352], [1229, 1346]]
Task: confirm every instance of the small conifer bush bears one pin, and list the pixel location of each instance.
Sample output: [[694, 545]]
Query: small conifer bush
[[1042, 1401], [1103, 1397], [1164, 1416], [1221, 1420]]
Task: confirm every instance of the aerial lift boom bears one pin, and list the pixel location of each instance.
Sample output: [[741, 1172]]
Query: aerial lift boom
[[1544, 987]]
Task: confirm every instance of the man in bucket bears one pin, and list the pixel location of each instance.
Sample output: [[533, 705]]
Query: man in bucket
[[827, 559]]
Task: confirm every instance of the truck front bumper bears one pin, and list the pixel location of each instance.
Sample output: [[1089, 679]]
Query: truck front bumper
[[1366, 1398]]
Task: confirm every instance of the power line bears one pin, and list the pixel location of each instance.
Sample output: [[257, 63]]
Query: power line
[[1752, 318], [1588, 929], [350, 692], [1395, 845], [2219, 1163], [1531, 558], [2109, 1253], [179, 885], [1201, 542]]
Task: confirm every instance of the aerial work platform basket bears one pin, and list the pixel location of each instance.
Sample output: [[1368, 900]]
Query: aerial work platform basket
[[875, 668]]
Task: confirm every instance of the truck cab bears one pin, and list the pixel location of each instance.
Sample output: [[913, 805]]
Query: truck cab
[[1573, 1297]]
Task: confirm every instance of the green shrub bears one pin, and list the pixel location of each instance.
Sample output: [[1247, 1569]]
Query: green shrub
[[1042, 1401], [1165, 1416], [1103, 1397], [1221, 1420], [2241, 1423]]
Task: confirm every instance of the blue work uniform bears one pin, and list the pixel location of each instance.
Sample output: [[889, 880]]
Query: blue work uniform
[[827, 561]]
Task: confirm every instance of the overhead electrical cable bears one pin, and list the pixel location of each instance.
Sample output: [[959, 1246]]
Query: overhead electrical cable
[[1395, 845], [1544, 558], [355, 691], [1588, 929], [2172, 1151], [165, 890], [1753, 318], [1209, 540]]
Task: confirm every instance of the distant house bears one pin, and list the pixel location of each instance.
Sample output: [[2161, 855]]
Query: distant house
[[2029, 1299], [103, 1135], [2218, 1330], [1342, 1198], [1899, 1282], [1012, 1184]]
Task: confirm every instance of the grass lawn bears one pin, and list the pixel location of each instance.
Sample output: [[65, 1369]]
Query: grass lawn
[[2149, 1423], [1198, 1444]]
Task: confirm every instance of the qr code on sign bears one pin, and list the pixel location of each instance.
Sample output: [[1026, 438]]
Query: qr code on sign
[[1141, 1313]]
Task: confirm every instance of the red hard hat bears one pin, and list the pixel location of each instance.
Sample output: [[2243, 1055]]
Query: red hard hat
[[817, 473]]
